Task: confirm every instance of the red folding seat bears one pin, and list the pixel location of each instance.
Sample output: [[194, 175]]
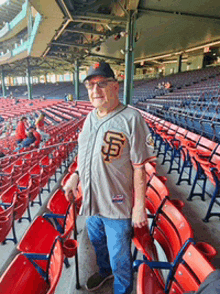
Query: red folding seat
[[39, 238], [22, 164], [156, 192], [57, 159], [5, 183], [170, 228], [35, 190], [21, 201], [58, 204], [204, 149], [7, 220], [150, 169], [40, 174], [73, 166], [12, 172], [24, 185], [187, 273], [4, 162], [162, 131], [41, 234], [28, 279], [49, 167]]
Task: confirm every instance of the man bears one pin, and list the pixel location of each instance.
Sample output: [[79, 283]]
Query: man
[[28, 141], [111, 157], [21, 129]]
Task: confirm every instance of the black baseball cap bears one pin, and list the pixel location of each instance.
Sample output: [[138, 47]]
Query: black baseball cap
[[100, 69]]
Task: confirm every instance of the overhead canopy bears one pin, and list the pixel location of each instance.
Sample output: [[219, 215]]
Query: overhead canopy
[[90, 30]]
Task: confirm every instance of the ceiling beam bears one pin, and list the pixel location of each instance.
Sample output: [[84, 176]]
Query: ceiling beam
[[99, 18], [178, 13], [71, 45], [106, 57], [84, 31]]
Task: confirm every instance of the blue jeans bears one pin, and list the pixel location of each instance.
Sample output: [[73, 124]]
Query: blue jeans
[[111, 239]]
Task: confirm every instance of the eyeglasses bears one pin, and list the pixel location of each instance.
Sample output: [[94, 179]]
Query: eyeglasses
[[101, 84]]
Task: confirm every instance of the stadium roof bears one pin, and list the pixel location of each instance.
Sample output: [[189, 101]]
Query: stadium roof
[[90, 30], [9, 9]]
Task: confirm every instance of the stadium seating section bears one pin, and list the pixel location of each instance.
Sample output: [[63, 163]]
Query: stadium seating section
[[184, 122]]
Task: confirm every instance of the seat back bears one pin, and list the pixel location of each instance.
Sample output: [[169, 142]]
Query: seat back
[[22, 277], [65, 178], [69, 222], [147, 281], [181, 133], [215, 158], [6, 221], [58, 203], [55, 265], [73, 166], [180, 222], [191, 271], [191, 138], [172, 230], [149, 169], [156, 191], [36, 170], [39, 237], [9, 194]]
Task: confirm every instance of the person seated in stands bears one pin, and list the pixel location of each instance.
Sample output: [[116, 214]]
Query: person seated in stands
[[27, 142], [21, 129], [168, 85], [40, 127], [37, 136], [65, 97], [159, 86]]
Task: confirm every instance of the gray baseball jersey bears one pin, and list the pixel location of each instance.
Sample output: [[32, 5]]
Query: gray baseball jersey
[[107, 149]]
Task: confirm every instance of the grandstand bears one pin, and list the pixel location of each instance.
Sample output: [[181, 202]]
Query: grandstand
[[46, 50]]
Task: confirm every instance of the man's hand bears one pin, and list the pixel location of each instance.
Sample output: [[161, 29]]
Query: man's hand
[[70, 187], [139, 217]]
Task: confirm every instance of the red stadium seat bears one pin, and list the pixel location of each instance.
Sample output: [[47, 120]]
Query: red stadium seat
[[171, 230], [188, 272], [49, 167], [7, 221], [24, 184], [41, 174], [156, 191], [28, 279]]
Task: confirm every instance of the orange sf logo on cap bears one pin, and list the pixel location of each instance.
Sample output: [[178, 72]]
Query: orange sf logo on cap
[[96, 65]]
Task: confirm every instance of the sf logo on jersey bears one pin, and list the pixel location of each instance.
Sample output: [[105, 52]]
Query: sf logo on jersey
[[113, 145]]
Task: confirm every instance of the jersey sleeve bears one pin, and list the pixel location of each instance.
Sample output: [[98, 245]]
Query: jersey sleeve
[[140, 150]]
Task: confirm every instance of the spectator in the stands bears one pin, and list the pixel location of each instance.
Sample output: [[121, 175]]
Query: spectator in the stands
[[28, 141], [21, 129], [65, 97], [37, 136], [168, 85], [40, 127]]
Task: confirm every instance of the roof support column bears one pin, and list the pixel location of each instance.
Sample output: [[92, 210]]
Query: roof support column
[[29, 85], [77, 79], [3, 83], [180, 63], [129, 58]]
